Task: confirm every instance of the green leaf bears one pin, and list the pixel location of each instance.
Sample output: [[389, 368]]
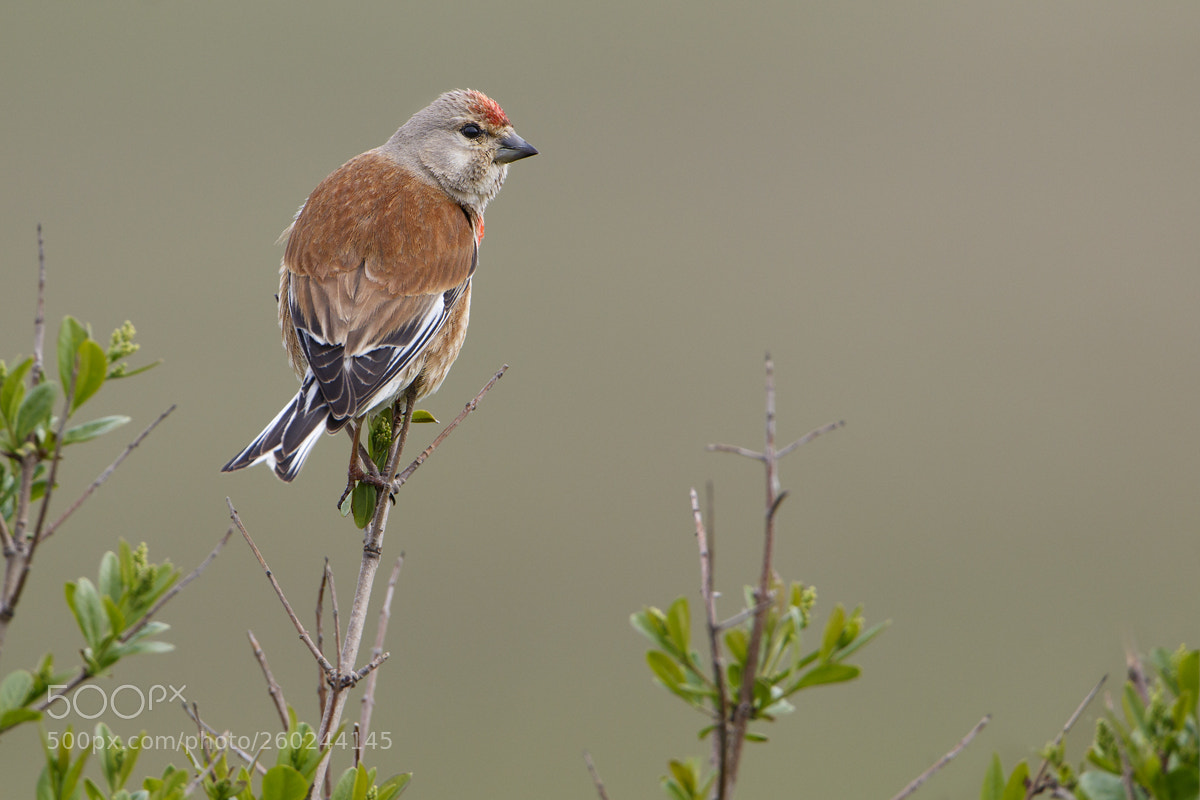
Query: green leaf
[[13, 392], [1102, 786], [109, 579], [344, 789], [1189, 677], [71, 334], [993, 781], [679, 625], [88, 610], [665, 669], [90, 430], [833, 631], [283, 783], [362, 503], [651, 623], [34, 410], [420, 415], [737, 644], [394, 785], [15, 690], [93, 368], [1015, 788], [16, 716], [826, 673]]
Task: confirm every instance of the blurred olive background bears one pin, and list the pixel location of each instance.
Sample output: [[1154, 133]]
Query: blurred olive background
[[969, 231]]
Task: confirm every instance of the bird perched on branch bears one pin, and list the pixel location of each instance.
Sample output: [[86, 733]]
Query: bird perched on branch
[[375, 284]]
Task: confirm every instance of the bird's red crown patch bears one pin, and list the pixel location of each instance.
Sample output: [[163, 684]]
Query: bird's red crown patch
[[489, 109]]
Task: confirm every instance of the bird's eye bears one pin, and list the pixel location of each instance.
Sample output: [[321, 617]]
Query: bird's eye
[[471, 130]]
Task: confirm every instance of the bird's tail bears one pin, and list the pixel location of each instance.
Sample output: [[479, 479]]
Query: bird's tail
[[286, 442]]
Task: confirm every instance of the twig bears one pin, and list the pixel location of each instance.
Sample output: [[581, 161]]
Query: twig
[[714, 641], [327, 579], [808, 437], [273, 688], [385, 616], [587, 759], [944, 760], [733, 448], [1035, 786], [322, 683], [745, 707], [39, 316], [106, 474], [304, 637], [428, 451]]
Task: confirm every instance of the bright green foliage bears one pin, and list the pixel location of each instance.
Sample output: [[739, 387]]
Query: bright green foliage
[[298, 748], [1153, 741], [783, 668], [358, 783], [107, 614], [28, 427], [60, 778], [686, 780]]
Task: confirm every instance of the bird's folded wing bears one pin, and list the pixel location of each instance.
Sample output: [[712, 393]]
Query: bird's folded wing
[[375, 260]]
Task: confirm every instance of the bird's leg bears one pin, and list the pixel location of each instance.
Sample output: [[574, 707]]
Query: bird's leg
[[358, 458]]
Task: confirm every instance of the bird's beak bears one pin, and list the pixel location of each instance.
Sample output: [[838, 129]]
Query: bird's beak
[[513, 148]]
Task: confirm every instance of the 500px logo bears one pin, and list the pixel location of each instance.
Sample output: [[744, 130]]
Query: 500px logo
[[126, 701]]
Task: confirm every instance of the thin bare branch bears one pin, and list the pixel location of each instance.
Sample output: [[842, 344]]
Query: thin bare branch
[[587, 759], [38, 373], [322, 675], [385, 616], [428, 451], [273, 687], [720, 746], [745, 707], [106, 474], [327, 579], [808, 437], [944, 760], [733, 448], [304, 637]]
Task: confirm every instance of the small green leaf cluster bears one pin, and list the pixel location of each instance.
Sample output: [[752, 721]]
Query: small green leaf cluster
[[27, 425], [127, 587], [686, 780], [783, 668], [1153, 743]]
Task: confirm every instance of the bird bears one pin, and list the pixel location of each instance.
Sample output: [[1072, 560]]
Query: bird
[[375, 280]]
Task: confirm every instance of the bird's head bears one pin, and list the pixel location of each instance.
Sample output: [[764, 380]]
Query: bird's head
[[464, 141]]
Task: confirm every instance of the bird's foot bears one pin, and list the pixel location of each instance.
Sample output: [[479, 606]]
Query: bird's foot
[[357, 474]]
